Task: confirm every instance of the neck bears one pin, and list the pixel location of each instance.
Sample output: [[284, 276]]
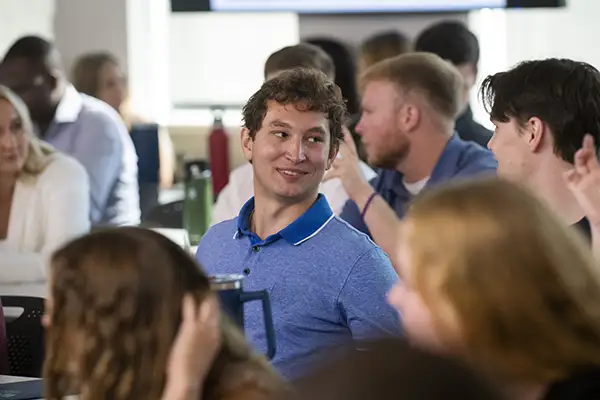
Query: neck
[[552, 189], [7, 185], [526, 392], [271, 216], [424, 154]]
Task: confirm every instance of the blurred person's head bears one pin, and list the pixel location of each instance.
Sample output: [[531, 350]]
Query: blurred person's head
[[383, 45], [31, 68], [20, 150], [291, 135], [409, 102], [100, 75], [390, 369], [113, 313], [454, 42], [345, 69], [303, 55], [491, 275], [541, 109]]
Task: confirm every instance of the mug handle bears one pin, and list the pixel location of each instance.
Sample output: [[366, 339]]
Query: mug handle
[[263, 296]]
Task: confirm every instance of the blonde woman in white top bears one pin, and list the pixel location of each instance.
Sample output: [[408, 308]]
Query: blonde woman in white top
[[44, 196]]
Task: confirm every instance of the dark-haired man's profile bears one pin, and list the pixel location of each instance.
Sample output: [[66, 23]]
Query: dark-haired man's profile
[[83, 127]]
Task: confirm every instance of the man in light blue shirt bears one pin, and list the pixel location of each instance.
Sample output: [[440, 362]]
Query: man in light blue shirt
[[81, 126], [327, 281]]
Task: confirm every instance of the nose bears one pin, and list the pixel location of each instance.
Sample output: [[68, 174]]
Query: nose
[[7, 140], [295, 150], [359, 128], [490, 143]]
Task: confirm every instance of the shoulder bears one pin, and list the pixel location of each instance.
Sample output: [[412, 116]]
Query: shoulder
[[475, 157], [352, 242], [102, 116], [241, 173], [217, 232], [63, 169]]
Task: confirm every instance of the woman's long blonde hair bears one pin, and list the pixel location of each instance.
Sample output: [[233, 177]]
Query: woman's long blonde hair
[[39, 153], [522, 288]]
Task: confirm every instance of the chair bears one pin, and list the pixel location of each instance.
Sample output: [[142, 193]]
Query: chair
[[168, 215], [25, 336]]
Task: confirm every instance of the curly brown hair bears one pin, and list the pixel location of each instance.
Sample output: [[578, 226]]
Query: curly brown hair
[[306, 89], [116, 308]]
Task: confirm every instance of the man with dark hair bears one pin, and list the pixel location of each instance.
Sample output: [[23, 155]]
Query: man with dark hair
[[327, 282], [454, 42], [81, 126], [303, 55], [407, 127], [383, 45], [542, 110], [240, 187]]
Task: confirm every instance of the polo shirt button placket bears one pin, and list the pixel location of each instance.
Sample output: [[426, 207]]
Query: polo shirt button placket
[[256, 249]]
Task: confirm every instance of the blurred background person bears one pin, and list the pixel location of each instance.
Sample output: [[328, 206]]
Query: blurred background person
[[119, 295], [383, 45], [44, 196], [491, 275], [78, 125], [241, 180], [390, 369], [100, 75], [454, 42]]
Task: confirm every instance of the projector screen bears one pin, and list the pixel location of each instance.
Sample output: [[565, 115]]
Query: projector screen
[[351, 6]]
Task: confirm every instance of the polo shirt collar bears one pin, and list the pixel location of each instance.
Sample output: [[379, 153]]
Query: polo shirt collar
[[302, 229], [69, 107]]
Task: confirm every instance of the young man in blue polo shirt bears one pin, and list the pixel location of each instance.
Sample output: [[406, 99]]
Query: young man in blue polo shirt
[[407, 127], [327, 281]]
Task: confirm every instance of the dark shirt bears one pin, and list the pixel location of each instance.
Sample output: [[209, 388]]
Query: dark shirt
[[581, 386], [470, 130]]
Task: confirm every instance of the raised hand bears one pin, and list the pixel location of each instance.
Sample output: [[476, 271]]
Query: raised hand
[[584, 180]]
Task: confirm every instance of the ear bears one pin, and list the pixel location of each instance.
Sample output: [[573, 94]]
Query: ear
[[247, 144], [333, 152], [410, 117], [534, 132]]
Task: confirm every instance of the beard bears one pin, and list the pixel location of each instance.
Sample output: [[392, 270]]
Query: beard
[[392, 154]]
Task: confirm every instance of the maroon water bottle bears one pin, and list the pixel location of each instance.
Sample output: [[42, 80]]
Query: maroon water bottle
[[218, 150]]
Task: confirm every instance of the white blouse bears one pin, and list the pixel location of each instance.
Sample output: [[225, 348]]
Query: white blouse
[[47, 211]]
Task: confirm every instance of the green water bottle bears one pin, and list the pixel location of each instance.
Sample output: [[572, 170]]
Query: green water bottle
[[198, 201]]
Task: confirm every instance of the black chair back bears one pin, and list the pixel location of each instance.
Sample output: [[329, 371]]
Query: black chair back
[[168, 215], [25, 336]]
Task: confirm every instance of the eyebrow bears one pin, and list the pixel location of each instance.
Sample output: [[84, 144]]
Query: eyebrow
[[279, 124]]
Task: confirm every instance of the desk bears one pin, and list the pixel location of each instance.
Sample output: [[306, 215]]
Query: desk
[[11, 379]]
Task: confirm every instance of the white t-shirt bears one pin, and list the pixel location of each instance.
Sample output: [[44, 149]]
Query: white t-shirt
[[241, 188], [415, 187]]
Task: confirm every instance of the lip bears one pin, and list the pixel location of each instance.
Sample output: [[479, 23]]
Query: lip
[[292, 173]]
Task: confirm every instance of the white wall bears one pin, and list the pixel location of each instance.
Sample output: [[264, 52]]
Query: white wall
[[82, 26], [19, 18]]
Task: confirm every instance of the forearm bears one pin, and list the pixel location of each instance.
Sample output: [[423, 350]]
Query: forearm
[[182, 392], [380, 218]]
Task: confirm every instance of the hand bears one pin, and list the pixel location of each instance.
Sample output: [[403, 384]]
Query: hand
[[347, 168], [195, 347], [584, 180]]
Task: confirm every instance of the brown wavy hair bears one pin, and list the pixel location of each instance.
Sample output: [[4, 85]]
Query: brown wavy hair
[[497, 268], [116, 308]]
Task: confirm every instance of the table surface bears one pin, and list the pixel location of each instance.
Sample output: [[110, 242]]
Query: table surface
[[11, 379]]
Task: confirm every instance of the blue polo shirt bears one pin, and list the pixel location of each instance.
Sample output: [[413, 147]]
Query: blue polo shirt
[[459, 160], [327, 283]]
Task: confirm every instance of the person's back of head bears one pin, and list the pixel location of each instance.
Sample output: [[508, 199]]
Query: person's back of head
[[452, 41], [563, 94], [32, 69], [391, 369], [424, 76], [383, 45], [117, 295], [500, 281], [303, 55]]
